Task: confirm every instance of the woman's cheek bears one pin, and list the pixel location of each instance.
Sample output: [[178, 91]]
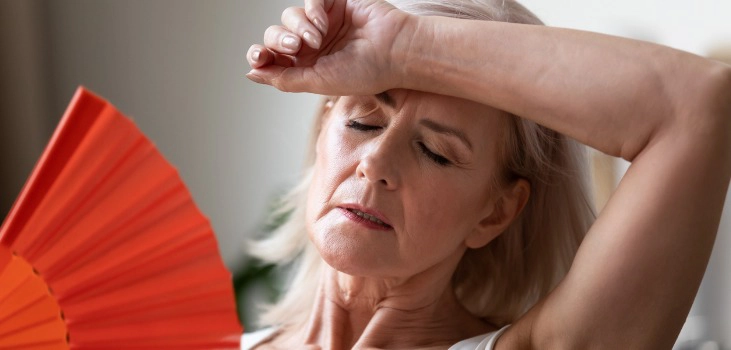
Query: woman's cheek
[[333, 165], [340, 154], [442, 216]]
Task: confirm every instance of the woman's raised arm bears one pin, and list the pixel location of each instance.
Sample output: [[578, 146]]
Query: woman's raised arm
[[668, 112]]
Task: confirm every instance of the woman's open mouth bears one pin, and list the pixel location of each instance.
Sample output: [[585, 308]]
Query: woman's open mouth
[[365, 219]]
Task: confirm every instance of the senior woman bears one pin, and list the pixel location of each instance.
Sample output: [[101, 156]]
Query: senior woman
[[445, 207]]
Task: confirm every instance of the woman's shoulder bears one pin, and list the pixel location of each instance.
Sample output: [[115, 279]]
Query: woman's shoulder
[[480, 342], [251, 340]]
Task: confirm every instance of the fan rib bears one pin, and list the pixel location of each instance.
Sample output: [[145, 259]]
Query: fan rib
[[125, 313], [82, 207], [90, 248], [39, 345], [20, 308], [143, 258], [106, 284], [28, 312], [118, 266], [75, 123], [26, 327]]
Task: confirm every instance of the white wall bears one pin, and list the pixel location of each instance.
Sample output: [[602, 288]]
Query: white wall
[[696, 26], [177, 67]]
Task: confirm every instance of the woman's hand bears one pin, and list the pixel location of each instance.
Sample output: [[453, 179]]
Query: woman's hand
[[334, 47]]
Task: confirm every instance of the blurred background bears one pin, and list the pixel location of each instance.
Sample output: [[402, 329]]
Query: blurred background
[[177, 68]]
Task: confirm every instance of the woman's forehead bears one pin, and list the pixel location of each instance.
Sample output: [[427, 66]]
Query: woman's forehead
[[473, 117]]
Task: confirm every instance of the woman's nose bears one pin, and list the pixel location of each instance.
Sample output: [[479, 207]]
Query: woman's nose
[[379, 165]]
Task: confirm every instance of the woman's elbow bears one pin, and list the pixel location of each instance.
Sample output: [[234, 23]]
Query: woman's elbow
[[713, 98], [724, 78], [720, 88], [703, 104]]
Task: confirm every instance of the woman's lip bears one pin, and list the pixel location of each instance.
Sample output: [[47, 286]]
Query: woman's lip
[[363, 221], [369, 211]]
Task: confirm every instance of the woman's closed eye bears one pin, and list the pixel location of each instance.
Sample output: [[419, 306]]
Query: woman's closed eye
[[361, 127], [435, 157]]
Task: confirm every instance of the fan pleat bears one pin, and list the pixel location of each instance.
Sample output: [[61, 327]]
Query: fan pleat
[[70, 132], [162, 278], [132, 241], [79, 181], [195, 326], [164, 307], [29, 315], [25, 317], [117, 243], [83, 237], [23, 305], [126, 270], [102, 204], [21, 344], [14, 276], [191, 342], [104, 245], [129, 256]]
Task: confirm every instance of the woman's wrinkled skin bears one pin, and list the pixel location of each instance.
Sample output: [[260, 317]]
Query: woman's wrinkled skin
[[404, 161]]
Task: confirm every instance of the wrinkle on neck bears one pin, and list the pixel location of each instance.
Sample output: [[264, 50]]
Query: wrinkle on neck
[[359, 312]]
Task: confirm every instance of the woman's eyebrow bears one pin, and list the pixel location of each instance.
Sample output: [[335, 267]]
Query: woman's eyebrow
[[443, 129], [386, 99]]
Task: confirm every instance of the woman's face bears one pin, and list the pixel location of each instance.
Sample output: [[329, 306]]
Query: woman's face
[[402, 180]]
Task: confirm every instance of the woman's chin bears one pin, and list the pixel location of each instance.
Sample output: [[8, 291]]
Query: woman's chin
[[357, 256], [347, 258]]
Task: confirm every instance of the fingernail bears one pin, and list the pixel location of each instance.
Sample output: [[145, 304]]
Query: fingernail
[[255, 55], [255, 78], [320, 25], [290, 42], [313, 40]]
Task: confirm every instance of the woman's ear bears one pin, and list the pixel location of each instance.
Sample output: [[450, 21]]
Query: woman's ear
[[504, 211], [328, 104], [321, 119]]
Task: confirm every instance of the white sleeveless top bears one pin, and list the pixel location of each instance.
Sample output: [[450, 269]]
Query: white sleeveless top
[[480, 342]]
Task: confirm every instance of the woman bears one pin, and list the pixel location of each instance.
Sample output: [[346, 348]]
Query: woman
[[445, 221]]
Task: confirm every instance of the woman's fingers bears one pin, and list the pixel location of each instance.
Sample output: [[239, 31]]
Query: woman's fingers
[[259, 56], [296, 21], [294, 79], [316, 11], [281, 40]]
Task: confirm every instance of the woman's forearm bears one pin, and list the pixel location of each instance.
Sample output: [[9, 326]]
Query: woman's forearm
[[669, 112], [611, 93]]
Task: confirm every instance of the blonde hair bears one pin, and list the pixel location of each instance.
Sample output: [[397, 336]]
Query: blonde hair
[[502, 280]]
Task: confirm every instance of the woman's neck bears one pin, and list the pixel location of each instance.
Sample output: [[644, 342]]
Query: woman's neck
[[360, 312]]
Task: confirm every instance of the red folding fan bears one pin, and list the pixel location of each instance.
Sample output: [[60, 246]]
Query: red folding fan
[[105, 249]]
